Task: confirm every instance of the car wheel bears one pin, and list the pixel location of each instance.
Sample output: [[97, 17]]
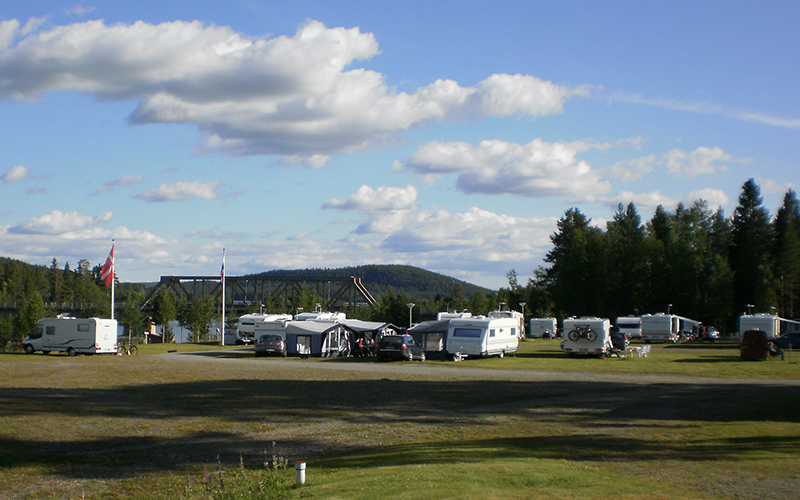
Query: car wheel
[[422, 357], [71, 352], [29, 349], [502, 353]]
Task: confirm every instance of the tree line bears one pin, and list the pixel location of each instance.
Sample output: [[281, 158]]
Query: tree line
[[694, 262]]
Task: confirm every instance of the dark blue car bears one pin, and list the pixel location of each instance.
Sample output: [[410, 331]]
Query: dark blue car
[[787, 339]]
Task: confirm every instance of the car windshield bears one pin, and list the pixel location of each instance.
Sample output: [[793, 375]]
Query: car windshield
[[270, 337]]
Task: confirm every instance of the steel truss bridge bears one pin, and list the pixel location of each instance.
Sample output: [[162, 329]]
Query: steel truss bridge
[[244, 291]]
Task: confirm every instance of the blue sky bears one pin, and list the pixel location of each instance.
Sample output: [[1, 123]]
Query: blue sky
[[445, 135]]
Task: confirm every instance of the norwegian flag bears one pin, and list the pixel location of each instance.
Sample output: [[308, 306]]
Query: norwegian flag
[[222, 271], [107, 273]]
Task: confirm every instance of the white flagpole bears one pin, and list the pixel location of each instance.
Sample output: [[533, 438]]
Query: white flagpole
[[113, 276], [222, 328]]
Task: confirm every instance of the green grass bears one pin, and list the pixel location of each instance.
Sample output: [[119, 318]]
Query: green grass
[[150, 426]]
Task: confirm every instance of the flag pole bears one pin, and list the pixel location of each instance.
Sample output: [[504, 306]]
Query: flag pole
[[113, 276], [222, 277]]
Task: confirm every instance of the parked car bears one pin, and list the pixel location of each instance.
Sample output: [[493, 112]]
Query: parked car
[[399, 347], [270, 344], [788, 339], [710, 333]]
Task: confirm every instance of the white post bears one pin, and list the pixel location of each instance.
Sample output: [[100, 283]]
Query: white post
[[222, 276], [300, 472]]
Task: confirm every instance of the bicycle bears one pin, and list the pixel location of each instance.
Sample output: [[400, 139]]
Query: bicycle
[[124, 350]]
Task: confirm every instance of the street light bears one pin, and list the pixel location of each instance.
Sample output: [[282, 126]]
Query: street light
[[522, 304], [410, 307]]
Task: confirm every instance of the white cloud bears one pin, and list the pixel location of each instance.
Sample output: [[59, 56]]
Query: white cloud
[[15, 174], [701, 161], [536, 169], [716, 198], [59, 223], [642, 201], [633, 169], [298, 97], [127, 180], [367, 199], [78, 10], [180, 191]]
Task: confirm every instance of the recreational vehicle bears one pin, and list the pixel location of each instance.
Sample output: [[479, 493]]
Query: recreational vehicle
[[542, 328], [517, 316], [482, 336], [73, 336], [768, 323], [587, 335], [336, 317], [662, 327], [443, 316], [251, 325], [630, 326]]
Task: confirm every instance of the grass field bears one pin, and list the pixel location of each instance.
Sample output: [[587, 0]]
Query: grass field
[[687, 422]]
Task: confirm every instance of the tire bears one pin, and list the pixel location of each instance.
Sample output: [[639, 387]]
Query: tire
[[422, 357], [45, 352], [71, 352], [574, 335], [29, 349], [133, 350], [502, 353], [591, 335]]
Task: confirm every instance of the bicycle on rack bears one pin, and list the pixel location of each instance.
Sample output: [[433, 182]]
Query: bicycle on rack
[[127, 350]]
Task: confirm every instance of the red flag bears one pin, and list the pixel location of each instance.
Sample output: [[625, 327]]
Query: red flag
[[222, 271], [107, 273]]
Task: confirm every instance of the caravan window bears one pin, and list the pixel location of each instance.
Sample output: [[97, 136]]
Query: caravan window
[[513, 332], [491, 332], [83, 327], [50, 330], [467, 332]]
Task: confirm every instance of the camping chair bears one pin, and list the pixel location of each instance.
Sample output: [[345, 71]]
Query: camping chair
[[644, 351]]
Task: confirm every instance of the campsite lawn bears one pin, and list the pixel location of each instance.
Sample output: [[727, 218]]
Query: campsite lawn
[[201, 423]]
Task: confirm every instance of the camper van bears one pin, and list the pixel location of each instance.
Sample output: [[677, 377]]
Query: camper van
[[516, 315], [630, 326], [250, 326], [482, 336], [662, 327], [73, 336], [768, 323], [542, 327], [587, 335]]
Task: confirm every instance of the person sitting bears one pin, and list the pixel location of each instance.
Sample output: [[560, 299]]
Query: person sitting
[[775, 350]]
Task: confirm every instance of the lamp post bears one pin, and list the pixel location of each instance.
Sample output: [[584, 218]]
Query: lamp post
[[522, 304], [410, 307]]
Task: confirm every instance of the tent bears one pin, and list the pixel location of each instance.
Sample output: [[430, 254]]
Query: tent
[[318, 338], [432, 335]]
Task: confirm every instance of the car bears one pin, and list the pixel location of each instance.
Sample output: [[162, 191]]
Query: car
[[788, 339], [270, 344], [710, 333], [399, 347]]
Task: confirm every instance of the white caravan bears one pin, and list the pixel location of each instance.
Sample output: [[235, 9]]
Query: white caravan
[[630, 325], [587, 335], [769, 323], [482, 336], [541, 326], [332, 317], [73, 336], [250, 324], [662, 327], [442, 316], [517, 316]]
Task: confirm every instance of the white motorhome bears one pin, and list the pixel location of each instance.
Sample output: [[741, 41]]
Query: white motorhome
[[517, 316], [769, 323], [73, 336], [333, 317], [630, 325], [482, 336], [442, 316], [249, 324], [587, 335], [662, 327], [539, 327]]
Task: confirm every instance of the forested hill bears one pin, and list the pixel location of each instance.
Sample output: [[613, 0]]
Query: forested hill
[[413, 281]]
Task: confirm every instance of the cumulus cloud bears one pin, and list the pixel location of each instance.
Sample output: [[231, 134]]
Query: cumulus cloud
[[59, 223], [15, 174], [536, 169], [716, 198], [643, 201], [127, 180], [180, 191], [293, 96], [632, 169], [701, 161], [383, 198]]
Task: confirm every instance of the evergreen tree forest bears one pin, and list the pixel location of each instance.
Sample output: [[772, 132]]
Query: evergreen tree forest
[[694, 262]]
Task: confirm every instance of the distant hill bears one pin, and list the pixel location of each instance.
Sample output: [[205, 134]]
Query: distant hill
[[413, 281]]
